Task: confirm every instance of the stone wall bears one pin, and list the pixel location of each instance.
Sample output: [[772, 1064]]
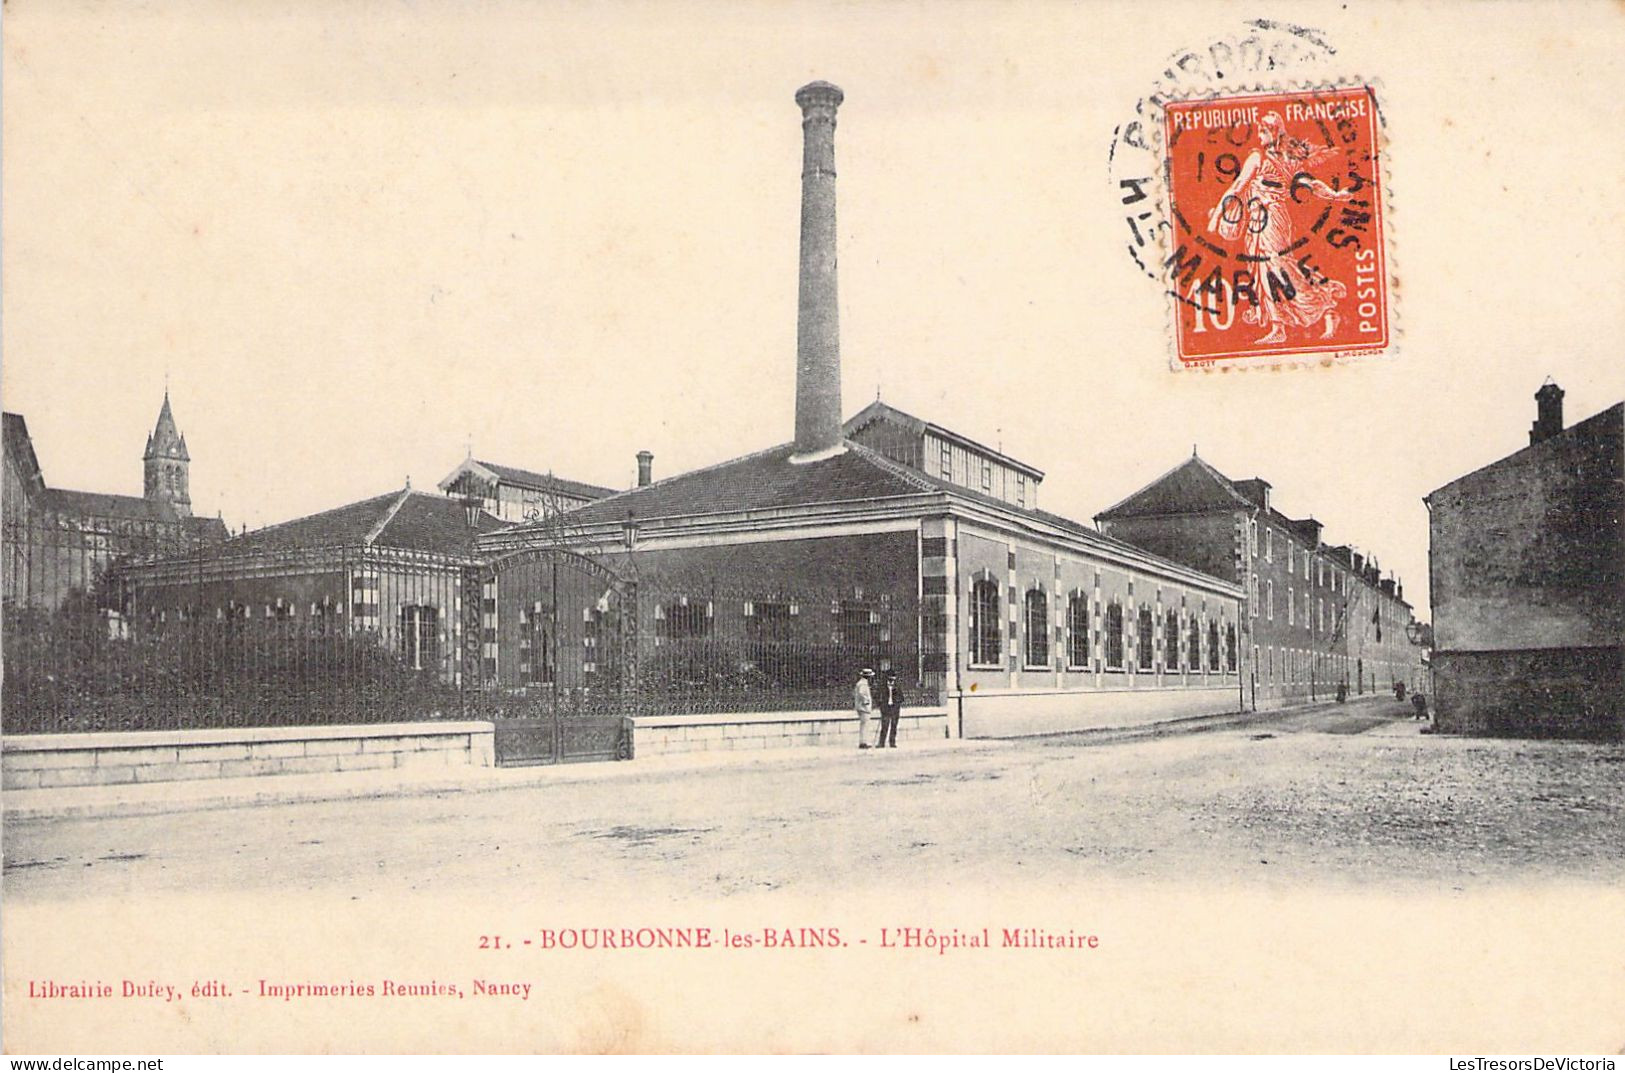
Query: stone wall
[[664, 735], [44, 761], [1547, 693], [1527, 553], [1010, 714]]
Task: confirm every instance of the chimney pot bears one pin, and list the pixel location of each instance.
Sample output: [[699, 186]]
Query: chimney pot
[[818, 337], [1548, 413], [646, 461]]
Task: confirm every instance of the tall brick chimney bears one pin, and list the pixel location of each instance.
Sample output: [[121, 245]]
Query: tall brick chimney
[[1548, 413], [646, 461], [818, 336]]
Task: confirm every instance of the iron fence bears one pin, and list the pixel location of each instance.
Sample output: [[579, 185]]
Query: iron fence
[[109, 624], [737, 650], [113, 627]]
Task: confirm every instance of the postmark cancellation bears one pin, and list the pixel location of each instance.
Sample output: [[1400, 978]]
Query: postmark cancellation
[[1275, 244]]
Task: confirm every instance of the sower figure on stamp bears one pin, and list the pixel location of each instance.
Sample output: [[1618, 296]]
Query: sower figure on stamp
[[891, 708], [863, 702], [1259, 201]]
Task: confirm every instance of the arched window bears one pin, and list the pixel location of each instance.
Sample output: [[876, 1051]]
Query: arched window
[[1037, 605], [1143, 648], [1077, 631], [1193, 655], [984, 623], [1213, 646], [1114, 636], [1170, 642], [1230, 648]]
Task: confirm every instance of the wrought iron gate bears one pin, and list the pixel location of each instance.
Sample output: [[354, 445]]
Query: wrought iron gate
[[549, 657]]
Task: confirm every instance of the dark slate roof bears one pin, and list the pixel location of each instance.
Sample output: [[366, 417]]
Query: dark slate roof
[[1192, 487], [165, 440], [19, 447], [767, 480], [105, 505], [408, 520], [209, 530], [881, 411], [94, 505], [545, 482]]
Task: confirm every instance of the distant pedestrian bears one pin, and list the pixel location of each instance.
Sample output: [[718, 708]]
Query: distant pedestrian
[[891, 708], [863, 702], [1399, 692], [1419, 703]]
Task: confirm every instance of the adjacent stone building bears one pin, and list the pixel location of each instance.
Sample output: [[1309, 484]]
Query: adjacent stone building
[[59, 544], [1527, 571], [1316, 618]]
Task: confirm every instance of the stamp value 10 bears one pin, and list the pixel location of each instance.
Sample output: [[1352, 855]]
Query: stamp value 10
[[1276, 250]]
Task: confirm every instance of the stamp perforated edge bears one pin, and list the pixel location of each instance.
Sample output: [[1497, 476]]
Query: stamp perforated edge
[[1285, 360]]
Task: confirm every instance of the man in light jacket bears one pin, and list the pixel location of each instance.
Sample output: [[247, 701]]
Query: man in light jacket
[[863, 702]]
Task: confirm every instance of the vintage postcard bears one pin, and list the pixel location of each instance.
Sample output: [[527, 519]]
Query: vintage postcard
[[810, 527]]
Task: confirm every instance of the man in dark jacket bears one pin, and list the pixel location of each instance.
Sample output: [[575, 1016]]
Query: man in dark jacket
[[890, 699]]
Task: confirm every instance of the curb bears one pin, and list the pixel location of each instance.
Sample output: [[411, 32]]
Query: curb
[[150, 799], [1199, 724]]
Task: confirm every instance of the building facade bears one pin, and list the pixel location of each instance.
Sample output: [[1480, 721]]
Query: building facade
[[1527, 571], [890, 542], [945, 454], [1316, 619], [390, 567]]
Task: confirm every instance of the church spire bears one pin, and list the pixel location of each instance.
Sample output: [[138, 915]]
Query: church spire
[[166, 463]]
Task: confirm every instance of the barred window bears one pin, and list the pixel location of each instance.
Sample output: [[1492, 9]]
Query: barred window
[[1143, 648], [1193, 657], [1077, 631], [860, 626], [984, 623], [1037, 628], [767, 622], [1213, 646], [1170, 642], [1114, 636], [683, 617], [1230, 648]]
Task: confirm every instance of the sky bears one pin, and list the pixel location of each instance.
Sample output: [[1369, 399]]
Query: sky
[[356, 239]]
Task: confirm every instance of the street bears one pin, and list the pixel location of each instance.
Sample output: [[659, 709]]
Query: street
[[1341, 796]]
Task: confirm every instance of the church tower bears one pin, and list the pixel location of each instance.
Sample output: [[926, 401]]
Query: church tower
[[166, 464]]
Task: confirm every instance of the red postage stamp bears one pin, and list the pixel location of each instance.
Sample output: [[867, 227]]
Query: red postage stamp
[[1276, 248]]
